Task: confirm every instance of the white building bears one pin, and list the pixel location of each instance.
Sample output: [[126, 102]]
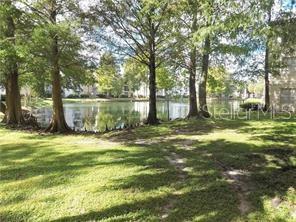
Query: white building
[[283, 87]]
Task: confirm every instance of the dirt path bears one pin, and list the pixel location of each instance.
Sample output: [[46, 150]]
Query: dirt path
[[236, 179], [179, 164]]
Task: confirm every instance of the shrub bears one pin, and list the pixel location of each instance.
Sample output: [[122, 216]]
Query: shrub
[[84, 96], [72, 96], [123, 96], [252, 104], [47, 95], [102, 96]]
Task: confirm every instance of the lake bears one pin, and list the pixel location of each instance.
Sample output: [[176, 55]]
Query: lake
[[95, 116]]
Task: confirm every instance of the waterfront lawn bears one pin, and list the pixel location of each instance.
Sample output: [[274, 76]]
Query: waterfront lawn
[[178, 171]]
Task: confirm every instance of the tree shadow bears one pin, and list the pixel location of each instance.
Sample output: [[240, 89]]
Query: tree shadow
[[204, 194]]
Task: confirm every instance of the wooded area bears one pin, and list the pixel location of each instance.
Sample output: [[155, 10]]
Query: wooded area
[[47, 41], [148, 110]]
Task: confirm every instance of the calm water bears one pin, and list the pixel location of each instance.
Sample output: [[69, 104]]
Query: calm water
[[96, 116]]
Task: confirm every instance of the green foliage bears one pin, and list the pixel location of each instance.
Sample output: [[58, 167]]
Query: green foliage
[[13, 48], [165, 79], [73, 64], [256, 87], [219, 82], [135, 74], [108, 77], [136, 29]]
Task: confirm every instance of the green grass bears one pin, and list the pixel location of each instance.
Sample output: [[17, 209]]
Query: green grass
[[126, 176]]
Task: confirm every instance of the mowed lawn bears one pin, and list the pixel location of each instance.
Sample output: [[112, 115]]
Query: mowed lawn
[[178, 171]]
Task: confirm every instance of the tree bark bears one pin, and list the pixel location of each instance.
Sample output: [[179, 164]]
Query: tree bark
[[267, 70], [266, 79], [202, 92], [152, 114], [13, 114], [193, 111], [58, 122]]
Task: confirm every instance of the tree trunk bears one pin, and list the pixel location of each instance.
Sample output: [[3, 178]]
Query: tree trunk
[[152, 115], [266, 69], [13, 114], [266, 79], [193, 111], [203, 81], [58, 122]]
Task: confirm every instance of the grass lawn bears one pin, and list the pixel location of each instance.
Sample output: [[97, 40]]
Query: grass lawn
[[178, 171]]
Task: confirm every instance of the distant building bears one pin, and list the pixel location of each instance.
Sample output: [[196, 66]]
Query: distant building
[[283, 87]]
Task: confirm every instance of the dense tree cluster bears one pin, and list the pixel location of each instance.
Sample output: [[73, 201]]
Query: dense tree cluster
[[46, 43]]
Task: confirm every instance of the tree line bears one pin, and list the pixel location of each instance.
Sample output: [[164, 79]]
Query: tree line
[[53, 42]]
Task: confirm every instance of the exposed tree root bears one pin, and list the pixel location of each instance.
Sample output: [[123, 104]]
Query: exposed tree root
[[58, 127], [28, 119]]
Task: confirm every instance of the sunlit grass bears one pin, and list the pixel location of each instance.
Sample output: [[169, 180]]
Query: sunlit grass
[[126, 176]]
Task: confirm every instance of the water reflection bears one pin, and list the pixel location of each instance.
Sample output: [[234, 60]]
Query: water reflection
[[101, 115]]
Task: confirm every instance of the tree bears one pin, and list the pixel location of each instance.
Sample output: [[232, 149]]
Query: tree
[[165, 79], [56, 32], [134, 74], [218, 81], [10, 56], [185, 52], [267, 26], [221, 23], [137, 29], [108, 76]]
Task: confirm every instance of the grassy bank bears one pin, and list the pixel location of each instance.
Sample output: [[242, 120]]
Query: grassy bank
[[179, 171]]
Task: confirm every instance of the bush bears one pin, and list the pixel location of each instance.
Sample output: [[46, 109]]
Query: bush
[[252, 104], [84, 96], [72, 96], [102, 96], [123, 96], [47, 95]]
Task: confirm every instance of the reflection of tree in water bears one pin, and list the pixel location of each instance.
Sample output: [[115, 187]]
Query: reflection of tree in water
[[116, 116], [77, 119], [89, 118]]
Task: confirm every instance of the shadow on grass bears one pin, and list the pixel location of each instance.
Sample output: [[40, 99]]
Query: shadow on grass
[[204, 195]]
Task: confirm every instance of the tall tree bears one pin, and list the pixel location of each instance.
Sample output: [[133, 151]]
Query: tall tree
[[272, 16], [57, 27], [108, 76], [220, 23], [9, 61], [134, 75], [266, 7], [137, 29], [202, 90], [185, 53]]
